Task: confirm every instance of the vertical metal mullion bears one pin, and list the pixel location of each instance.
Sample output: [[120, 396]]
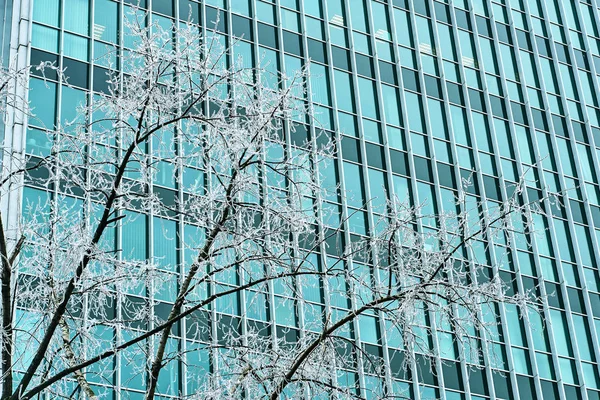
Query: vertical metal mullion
[[180, 256], [149, 216]]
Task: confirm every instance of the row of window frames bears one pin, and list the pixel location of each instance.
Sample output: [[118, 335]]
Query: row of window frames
[[267, 36], [77, 72], [82, 67], [399, 161], [575, 297], [293, 45], [519, 113], [399, 165], [375, 157], [543, 46], [575, 300], [549, 277], [476, 99], [555, 297]]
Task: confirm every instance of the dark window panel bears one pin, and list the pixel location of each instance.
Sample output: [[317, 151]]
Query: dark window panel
[[161, 312], [483, 26], [410, 79], [401, 3], [139, 3], [375, 156], [502, 385], [442, 12], [593, 395], [317, 51], [133, 312], [560, 125], [542, 45], [101, 76], [576, 301], [578, 211], [562, 53], [350, 149], [364, 65], [432, 86], [300, 136], [292, 43], [498, 108], [387, 73], [399, 162], [571, 392], [579, 130], [492, 188], [518, 111], [293, 4], [76, 72], [334, 242], [38, 173], [477, 382], [596, 216], [189, 10], [455, 94], [539, 119], [397, 364], [341, 58], [212, 16], [581, 60], [267, 35], [468, 175], [503, 33], [446, 175], [452, 375], [462, 19], [228, 328], [476, 98], [163, 7], [241, 27], [595, 303], [523, 40], [423, 169], [37, 57], [509, 280], [421, 7], [554, 295], [550, 391], [425, 370]]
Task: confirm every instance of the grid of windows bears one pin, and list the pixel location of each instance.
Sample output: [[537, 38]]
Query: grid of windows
[[421, 96]]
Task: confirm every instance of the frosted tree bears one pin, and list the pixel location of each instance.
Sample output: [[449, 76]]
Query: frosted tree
[[83, 287]]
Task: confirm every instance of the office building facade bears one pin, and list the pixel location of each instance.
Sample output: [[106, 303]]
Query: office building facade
[[421, 95]]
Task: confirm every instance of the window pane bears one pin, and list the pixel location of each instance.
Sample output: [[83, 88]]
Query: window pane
[[105, 20], [41, 97], [75, 47], [46, 11], [343, 90], [77, 16]]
